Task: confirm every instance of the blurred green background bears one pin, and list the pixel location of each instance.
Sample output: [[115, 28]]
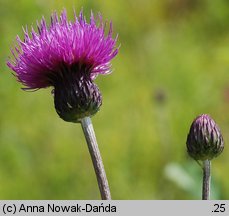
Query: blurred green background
[[173, 65]]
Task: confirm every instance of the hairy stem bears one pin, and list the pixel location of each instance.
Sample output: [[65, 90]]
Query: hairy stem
[[206, 180], [96, 158]]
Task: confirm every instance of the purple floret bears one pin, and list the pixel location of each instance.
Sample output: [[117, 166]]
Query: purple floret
[[79, 46]]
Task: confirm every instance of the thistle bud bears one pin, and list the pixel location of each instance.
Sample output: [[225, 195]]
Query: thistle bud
[[204, 141]]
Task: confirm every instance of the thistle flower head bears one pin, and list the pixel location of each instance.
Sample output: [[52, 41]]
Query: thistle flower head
[[204, 141], [68, 56]]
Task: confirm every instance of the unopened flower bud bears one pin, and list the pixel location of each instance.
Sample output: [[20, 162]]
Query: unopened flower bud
[[204, 141]]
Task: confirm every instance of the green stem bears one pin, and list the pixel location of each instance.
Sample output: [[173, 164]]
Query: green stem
[[206, 180], [96, 158]]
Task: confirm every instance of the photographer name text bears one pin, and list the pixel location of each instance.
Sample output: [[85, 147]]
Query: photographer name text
[[54, 208]]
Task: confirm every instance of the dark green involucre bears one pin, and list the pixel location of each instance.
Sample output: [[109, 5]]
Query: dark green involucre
[[204, 141], [76, 96]]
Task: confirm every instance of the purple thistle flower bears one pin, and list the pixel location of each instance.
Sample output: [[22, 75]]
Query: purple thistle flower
[[68, 56]]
